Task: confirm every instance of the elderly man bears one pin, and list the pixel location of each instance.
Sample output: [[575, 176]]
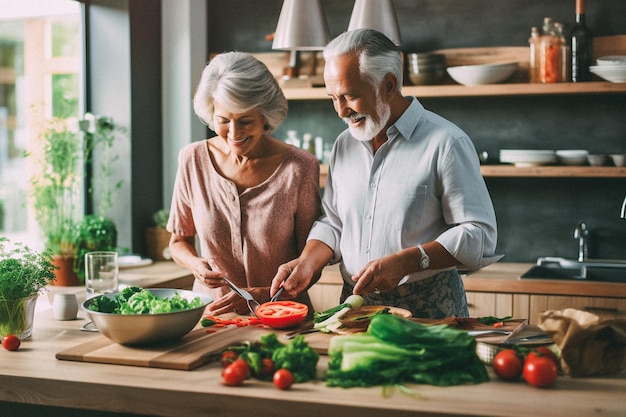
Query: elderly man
[[405, 204]]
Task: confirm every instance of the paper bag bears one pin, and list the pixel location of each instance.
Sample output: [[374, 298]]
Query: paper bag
[[590, 344]]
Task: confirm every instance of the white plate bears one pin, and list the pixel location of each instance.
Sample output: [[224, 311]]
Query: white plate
[[612, 73], [132, 261], [527, 158]]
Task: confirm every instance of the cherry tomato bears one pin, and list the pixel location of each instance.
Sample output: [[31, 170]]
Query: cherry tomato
[[540, 371], [241, 363], [235, 373], [11, 342], [282, 314], [228, 357], [267, 367], [508, 365], [283, 379]]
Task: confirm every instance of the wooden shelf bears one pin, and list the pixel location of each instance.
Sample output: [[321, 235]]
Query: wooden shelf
[[553, 171], [540, 171], [434, 91]]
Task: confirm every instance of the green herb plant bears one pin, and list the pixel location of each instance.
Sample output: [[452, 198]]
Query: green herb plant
[[23, 274], [64, 155]]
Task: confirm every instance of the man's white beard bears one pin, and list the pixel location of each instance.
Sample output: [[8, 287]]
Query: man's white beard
[[370, 128]]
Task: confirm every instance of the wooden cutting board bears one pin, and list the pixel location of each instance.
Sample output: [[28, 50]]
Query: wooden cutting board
[[195, 349], [200, 346]]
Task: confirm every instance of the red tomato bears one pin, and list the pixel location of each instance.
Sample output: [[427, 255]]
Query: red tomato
[[228, 357], [282, 314], [235, 373], [540, 371], [267, 367], [507, 365], [544, 351], [283, 379], [11, 342]]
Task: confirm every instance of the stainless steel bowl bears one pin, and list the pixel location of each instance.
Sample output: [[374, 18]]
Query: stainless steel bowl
[[139, 329]]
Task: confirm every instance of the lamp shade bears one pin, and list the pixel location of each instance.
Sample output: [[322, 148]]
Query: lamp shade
[[376, 14], [301, 26]]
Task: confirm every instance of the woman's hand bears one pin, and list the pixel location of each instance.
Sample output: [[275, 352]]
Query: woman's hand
[[231, 302]]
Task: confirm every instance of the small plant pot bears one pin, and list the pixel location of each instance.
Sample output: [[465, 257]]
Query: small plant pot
[[16, 316], [157, 244], [65, 274]]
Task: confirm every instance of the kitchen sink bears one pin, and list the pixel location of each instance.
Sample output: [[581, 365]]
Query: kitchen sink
[[610, 270]]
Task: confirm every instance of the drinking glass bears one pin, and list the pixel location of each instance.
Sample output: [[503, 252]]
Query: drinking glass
[[101, 272]]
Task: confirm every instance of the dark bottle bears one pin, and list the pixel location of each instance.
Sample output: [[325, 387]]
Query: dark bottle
[[581, 42]]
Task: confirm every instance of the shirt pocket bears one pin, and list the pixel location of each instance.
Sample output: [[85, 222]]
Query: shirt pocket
[[404, 204]]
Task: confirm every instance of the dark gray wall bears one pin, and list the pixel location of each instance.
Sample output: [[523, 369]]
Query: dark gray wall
[[536, 216]]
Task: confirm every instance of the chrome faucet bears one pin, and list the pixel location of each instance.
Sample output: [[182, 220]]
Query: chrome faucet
[[582, 234], [622, 213]]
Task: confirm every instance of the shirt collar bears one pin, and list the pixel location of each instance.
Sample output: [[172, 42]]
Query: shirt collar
[[408, 121]]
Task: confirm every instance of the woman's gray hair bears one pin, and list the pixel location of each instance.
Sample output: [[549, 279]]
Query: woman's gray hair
[[378, 55], [240, 83]]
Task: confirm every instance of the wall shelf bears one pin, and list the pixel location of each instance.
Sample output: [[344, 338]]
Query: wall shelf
[[553, 171], [539, 172], [523, 89]]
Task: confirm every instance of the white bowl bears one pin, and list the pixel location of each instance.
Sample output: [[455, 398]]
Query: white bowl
[[482, 74], [612, 73], [572, 157], [618, 159], [612, 60]]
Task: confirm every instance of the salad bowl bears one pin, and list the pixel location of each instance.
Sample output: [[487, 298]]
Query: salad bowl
[[140, 329]]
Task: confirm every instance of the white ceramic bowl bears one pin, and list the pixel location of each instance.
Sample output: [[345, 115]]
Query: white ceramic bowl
[[619, 159], [482, 74], [612, 73], [612, 60], [572, 156], [140, 329]]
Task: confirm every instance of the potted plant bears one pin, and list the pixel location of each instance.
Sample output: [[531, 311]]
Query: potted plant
[[158, 238], [93, 233], [65, 154], [23, 274]]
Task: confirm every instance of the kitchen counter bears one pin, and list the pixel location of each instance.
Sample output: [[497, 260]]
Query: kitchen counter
[[32, 375], [503, 277]]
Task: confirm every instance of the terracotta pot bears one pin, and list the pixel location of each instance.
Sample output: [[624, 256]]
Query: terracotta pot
[[157, 244], [65, 275]]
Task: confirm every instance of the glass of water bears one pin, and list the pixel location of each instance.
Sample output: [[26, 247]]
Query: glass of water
[[101, 272]]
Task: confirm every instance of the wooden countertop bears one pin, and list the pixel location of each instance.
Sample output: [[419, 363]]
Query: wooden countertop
[[503, 277], [32, 375]]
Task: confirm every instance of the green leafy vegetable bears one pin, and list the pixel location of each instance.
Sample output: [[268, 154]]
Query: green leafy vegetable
[[396, 350], [135, 300], [297, 356], [493, 320]]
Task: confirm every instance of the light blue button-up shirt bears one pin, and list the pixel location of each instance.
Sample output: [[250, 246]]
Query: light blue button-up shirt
[[423, 184]]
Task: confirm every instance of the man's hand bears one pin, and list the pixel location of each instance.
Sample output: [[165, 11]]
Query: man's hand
[[380, 275]]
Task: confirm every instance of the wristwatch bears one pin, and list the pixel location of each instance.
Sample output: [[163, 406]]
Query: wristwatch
[[424, 259]]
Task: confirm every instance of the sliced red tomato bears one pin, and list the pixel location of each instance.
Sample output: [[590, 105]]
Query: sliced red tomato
[[282, 314]]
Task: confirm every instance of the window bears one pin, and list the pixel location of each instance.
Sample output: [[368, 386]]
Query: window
[[40, 77]]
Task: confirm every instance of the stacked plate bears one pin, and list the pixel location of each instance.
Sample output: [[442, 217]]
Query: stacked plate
[[612, 68], [527, 157]]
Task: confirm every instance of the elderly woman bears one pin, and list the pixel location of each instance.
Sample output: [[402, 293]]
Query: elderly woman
[[248, 198]]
